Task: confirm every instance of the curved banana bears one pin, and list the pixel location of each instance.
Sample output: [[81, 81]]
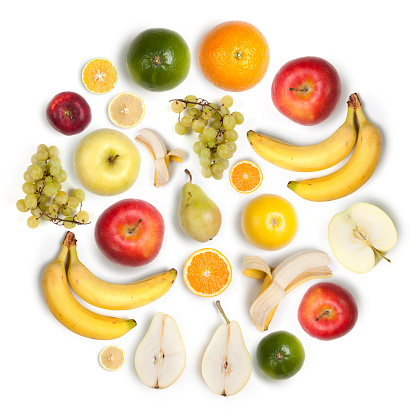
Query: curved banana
[[311, 158], [354, 173], [70, 313], [113, 296]]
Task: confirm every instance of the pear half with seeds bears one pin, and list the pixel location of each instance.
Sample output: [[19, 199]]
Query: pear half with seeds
[[160, 357], [226, 364]]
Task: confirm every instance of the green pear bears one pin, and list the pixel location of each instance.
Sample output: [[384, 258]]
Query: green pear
[[199, 216]]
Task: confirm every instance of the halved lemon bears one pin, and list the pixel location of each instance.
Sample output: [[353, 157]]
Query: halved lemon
[[112, 357], [245, 177], [126, 110], [99, 76], [207, 272]]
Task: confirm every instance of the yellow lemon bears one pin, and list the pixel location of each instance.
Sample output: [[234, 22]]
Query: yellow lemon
[[269, 222]]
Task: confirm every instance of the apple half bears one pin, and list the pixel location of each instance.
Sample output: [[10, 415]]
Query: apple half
[[361, 236]]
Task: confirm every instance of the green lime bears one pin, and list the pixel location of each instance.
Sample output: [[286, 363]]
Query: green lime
[[158, 59], [280, 355]]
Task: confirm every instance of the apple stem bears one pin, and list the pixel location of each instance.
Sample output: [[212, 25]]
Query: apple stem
[[68, 114], [111, 159], [132, 230], [222, 311], [321, 315], [302, 90], [377, 252]]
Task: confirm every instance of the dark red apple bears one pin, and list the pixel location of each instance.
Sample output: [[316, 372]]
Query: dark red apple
[[327, 311], [130, 232], [306, 90], [68, 113]]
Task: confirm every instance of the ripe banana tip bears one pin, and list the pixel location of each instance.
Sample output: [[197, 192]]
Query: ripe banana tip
[[292, 185]]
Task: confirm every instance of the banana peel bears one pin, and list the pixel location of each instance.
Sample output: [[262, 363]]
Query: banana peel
[[155, 145], [278, 282]]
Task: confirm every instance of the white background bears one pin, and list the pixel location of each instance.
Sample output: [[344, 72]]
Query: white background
[[47, 368]]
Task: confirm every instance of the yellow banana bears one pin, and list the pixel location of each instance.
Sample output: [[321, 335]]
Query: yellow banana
[[70, 313], [354, 173], [311, 158], [106, 295]]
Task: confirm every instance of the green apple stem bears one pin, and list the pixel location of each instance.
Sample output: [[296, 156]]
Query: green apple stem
[[111, 159], [133, 229], [222, 311], [377, 252]]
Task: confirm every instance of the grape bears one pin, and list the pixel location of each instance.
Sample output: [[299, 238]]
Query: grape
[[27, 177], [43, 199], [194, 112], [29, 188], [36, 212], [42, 154], [224, 111], [79, 194], [53, 208], [216, 124], [36, 172], [228, 122], [73, 202], [205, 161], [198, 126], [239, 118], [21, 205], [231, 135], [54, 162], [62, 176], [33, 159], [206, 172], [190, 98], [61, 197], [68, 224], [224, 151], [58, 185], [48, 179], [219, 139], [66, 210], [218, 159], [180, 128], [226, 164], [53, 152], [227, 101], [198, 146], [186, 121], [42, 146], [177, 106], [50, 189], [82, 216], [31, 201], [205, 152], [54, 170], [32, 222], [232, 146], [206, 114], [217, 176], [211, 143], [209, 134]]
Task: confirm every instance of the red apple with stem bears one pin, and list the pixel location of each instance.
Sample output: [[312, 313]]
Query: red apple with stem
[[327, 311], [130, 232], [68, 113], [306, 90]]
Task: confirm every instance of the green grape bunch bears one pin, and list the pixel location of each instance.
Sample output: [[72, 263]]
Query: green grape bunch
[[44, 197], [215, 126]]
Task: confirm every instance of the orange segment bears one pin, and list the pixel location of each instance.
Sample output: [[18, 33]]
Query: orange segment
[[126, 110], [207, 272], [245, 177], [99, 76]]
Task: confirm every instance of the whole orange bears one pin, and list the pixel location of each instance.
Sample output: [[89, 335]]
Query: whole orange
[[269, 222], [234, 56]]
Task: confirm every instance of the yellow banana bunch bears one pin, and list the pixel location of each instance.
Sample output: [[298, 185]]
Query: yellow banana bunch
[[311, 158], [106, 295], [69, 312], [354, 173]]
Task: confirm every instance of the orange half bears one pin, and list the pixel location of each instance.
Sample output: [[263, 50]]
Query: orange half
[[245, 177], [207, 272], [99, 76]]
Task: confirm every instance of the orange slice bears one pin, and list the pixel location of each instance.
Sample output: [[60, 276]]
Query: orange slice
[[245, 177], [112, 357], [126, 110], [99, 76], [207, 272]]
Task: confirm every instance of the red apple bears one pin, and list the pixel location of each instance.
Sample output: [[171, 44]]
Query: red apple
[[68, 113], [130, 232], [306, 90], [327, 311]]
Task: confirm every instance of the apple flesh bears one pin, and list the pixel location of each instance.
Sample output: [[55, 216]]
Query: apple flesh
[[361, 236], [306, 90], [130, 232], [68, 113], [106, 162], [327, 311]]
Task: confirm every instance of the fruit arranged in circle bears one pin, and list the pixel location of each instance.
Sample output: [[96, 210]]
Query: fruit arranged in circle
[[69, 113], [99, 76], [215, 126], [106, 162], [112, 357], [269, 222], [245, 177], [126, 110], [280, 355], [234, 56], [158, 59], [207, 272]]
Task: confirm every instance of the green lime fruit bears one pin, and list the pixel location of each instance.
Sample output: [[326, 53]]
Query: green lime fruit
[[158, 59], [280, 355]]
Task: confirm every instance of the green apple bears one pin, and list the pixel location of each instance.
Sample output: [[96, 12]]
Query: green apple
[[106, 162]]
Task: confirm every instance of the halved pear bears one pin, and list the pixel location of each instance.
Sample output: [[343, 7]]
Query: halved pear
[[226, 364], [360, 236], [160, 357]]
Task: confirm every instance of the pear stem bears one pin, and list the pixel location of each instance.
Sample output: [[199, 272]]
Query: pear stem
[[190, 176], [222, 311]]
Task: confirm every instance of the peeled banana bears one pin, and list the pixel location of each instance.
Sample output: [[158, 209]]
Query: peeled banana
[[106, 295], [308, 158], [69, 312], [354, 173]]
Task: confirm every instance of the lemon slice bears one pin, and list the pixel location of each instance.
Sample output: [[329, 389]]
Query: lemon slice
[[126, 110], [112, 357]]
